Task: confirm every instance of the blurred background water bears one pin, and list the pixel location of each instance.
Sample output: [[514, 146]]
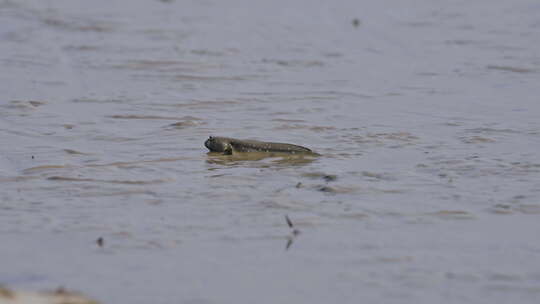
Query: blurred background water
[[425, 113]]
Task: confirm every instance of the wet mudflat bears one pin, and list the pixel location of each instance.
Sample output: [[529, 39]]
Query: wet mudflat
[[425, 114]]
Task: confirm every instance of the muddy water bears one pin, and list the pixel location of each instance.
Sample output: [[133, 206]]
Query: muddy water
[[425, 114]]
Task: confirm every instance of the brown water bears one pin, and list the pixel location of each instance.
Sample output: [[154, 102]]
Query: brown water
[[426, 115]]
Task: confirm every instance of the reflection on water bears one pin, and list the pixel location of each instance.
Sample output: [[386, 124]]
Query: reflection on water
[[255, 159]]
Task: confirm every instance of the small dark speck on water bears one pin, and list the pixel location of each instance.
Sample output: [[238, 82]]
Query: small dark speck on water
[[289, 222], [295, 232], [326, 189], [100, 242], [356, 22], [289, 243], [32, 156], [330, 178]]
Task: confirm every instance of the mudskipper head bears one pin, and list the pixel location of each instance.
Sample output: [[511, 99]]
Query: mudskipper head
[[215, 144]]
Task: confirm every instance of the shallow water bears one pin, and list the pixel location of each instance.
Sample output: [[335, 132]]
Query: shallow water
[[425, 114]]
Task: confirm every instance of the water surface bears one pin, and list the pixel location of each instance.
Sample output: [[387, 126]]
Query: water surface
[[425, 114]]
